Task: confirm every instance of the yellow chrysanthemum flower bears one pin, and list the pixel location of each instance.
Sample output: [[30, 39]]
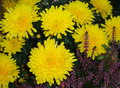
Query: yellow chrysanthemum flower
[[18, 22], [12, 46], [102, 6], [81, 12], [29, 2], [1, 40], [1, 37], [7, 4], [92, 38], [8, 70], [112, 27], [55, 21], [50, 62]]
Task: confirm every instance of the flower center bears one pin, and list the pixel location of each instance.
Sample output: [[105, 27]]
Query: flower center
[[23, 23], [4, 70]]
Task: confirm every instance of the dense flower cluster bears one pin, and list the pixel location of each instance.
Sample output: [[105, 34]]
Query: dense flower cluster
[[98, 78], [59, 44]]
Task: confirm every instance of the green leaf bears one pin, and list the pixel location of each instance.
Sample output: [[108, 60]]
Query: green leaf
[[100, 57]]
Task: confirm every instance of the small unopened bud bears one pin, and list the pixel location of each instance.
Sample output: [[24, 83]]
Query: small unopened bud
[[38, 36]]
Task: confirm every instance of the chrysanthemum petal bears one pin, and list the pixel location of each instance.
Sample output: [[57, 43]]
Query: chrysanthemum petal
[[50, 61], [96, 38], [18, 22], [8, 70], [55, 21]]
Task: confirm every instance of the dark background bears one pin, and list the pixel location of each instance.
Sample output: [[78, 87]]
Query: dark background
[[116, 7]]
